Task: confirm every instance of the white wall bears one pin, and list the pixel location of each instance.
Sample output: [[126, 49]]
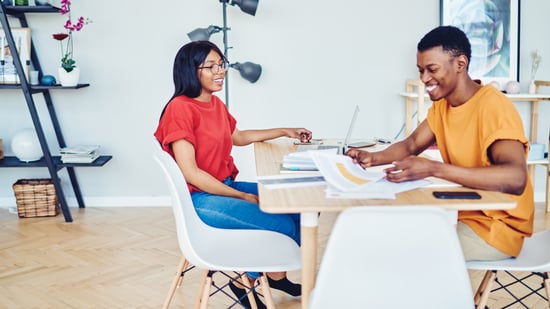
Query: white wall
[[319, 60]]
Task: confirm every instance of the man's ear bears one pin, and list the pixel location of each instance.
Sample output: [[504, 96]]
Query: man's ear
[[462, 64]]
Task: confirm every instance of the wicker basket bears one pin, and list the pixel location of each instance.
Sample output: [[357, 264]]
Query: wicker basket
[[35, 198]]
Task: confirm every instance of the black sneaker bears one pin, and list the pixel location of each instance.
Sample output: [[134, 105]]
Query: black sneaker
[[243, 298], [285, 285]]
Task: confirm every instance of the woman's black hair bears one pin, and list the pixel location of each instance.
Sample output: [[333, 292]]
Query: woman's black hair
[[189, 57]]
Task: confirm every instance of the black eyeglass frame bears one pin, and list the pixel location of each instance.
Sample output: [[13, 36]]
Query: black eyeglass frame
[[215, 68]]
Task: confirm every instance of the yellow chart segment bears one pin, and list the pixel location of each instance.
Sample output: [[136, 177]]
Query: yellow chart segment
[[342, 168]]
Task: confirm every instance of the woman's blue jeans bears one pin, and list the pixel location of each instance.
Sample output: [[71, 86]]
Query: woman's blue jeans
[[234, 213]]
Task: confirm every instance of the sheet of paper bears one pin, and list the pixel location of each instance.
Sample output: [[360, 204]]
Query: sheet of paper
[[289, 181], [349, 180], [341, 173], [332, 192], [441, 183], [432, 154]]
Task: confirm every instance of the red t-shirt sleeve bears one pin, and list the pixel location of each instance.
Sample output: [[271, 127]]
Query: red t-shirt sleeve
[[208, 126]]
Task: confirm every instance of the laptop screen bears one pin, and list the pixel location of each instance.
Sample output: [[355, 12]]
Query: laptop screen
[[351, 126]]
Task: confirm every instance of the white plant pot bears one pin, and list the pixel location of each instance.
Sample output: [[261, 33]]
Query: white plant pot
[[532, 87], [68, 79]]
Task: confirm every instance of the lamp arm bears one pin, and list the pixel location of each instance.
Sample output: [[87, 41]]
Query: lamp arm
[[225, 50]]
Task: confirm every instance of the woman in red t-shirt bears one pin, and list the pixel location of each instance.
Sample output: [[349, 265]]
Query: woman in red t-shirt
[[197, 130]]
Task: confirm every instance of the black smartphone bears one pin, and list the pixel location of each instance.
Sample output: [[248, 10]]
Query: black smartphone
[[471, 195]]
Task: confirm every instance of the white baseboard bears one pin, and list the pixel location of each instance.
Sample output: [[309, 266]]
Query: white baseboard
[[111, 201]]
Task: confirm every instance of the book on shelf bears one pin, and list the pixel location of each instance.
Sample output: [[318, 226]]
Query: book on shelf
[[79, 149], [89, 158], [79, 154]]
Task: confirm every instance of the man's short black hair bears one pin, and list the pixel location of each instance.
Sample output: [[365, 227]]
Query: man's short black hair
[[450, 38]]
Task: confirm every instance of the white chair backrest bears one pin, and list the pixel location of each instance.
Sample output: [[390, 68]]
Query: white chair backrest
[[393, 257], [191, 231]]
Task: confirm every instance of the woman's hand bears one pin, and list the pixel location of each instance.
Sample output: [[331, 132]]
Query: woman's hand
[[302, 134], [252, 198]]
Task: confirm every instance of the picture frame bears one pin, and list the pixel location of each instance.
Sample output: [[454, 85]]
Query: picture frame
[[22, 38], [492, 26]]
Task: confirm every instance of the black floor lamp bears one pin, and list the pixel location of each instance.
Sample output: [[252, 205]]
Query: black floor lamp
[[248, 70]]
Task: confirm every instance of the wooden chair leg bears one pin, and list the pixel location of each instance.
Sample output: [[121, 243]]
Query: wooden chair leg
[[548, 186], [547, 287], [482, 286], [548, 182], [176, 282], [482, 294], [204, 291], [246, 282], [201, 289], [185, 266], [266, 291]]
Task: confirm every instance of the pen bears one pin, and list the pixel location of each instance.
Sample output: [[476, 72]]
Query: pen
[[383, 141]]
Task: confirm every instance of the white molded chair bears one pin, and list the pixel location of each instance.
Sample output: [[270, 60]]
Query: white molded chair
[[534, 259], [393, 257], [225, 250]]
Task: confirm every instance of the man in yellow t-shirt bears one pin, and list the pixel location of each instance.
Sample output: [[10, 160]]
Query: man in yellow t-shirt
[[481, 139]]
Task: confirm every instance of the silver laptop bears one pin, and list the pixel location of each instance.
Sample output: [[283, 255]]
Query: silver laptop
[[347, 144]]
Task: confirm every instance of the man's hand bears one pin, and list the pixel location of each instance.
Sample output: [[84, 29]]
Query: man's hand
[[410, 168], [361, 157]]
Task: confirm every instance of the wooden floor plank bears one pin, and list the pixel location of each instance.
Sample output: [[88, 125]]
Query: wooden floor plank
[[120, 258]]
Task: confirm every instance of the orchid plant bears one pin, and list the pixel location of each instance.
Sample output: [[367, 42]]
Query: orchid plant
[[67, 61]]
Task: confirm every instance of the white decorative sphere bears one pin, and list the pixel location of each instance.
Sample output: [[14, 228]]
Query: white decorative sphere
[[513, 87], [495, 84], [25, 145]]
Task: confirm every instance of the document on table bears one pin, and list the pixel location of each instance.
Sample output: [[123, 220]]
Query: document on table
[[289, 181], [346, 179], [297, 170]]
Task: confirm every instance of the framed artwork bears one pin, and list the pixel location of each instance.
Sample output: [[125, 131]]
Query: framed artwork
[[22, 38], [492, 26]]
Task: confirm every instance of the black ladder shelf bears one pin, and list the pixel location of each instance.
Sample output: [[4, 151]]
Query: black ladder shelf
[[53, 163]]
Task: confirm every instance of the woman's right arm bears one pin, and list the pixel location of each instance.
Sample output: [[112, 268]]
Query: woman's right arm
[[184, 152]]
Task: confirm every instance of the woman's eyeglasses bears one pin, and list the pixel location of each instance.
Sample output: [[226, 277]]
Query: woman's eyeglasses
[[215, 68]]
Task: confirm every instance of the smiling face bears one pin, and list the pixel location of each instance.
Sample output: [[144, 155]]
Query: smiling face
[[439, 71], [210, 82]]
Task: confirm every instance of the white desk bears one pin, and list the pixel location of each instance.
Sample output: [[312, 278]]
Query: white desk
[[310, 201]]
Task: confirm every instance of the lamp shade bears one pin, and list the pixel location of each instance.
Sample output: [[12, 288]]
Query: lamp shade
[[249, 71], [26, 146], [247, 6], [201, 34]]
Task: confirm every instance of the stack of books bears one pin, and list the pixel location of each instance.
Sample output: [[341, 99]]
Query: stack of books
[[302, 161], [79, 154]]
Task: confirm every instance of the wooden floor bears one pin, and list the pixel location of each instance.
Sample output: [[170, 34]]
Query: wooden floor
[[119, 258]]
